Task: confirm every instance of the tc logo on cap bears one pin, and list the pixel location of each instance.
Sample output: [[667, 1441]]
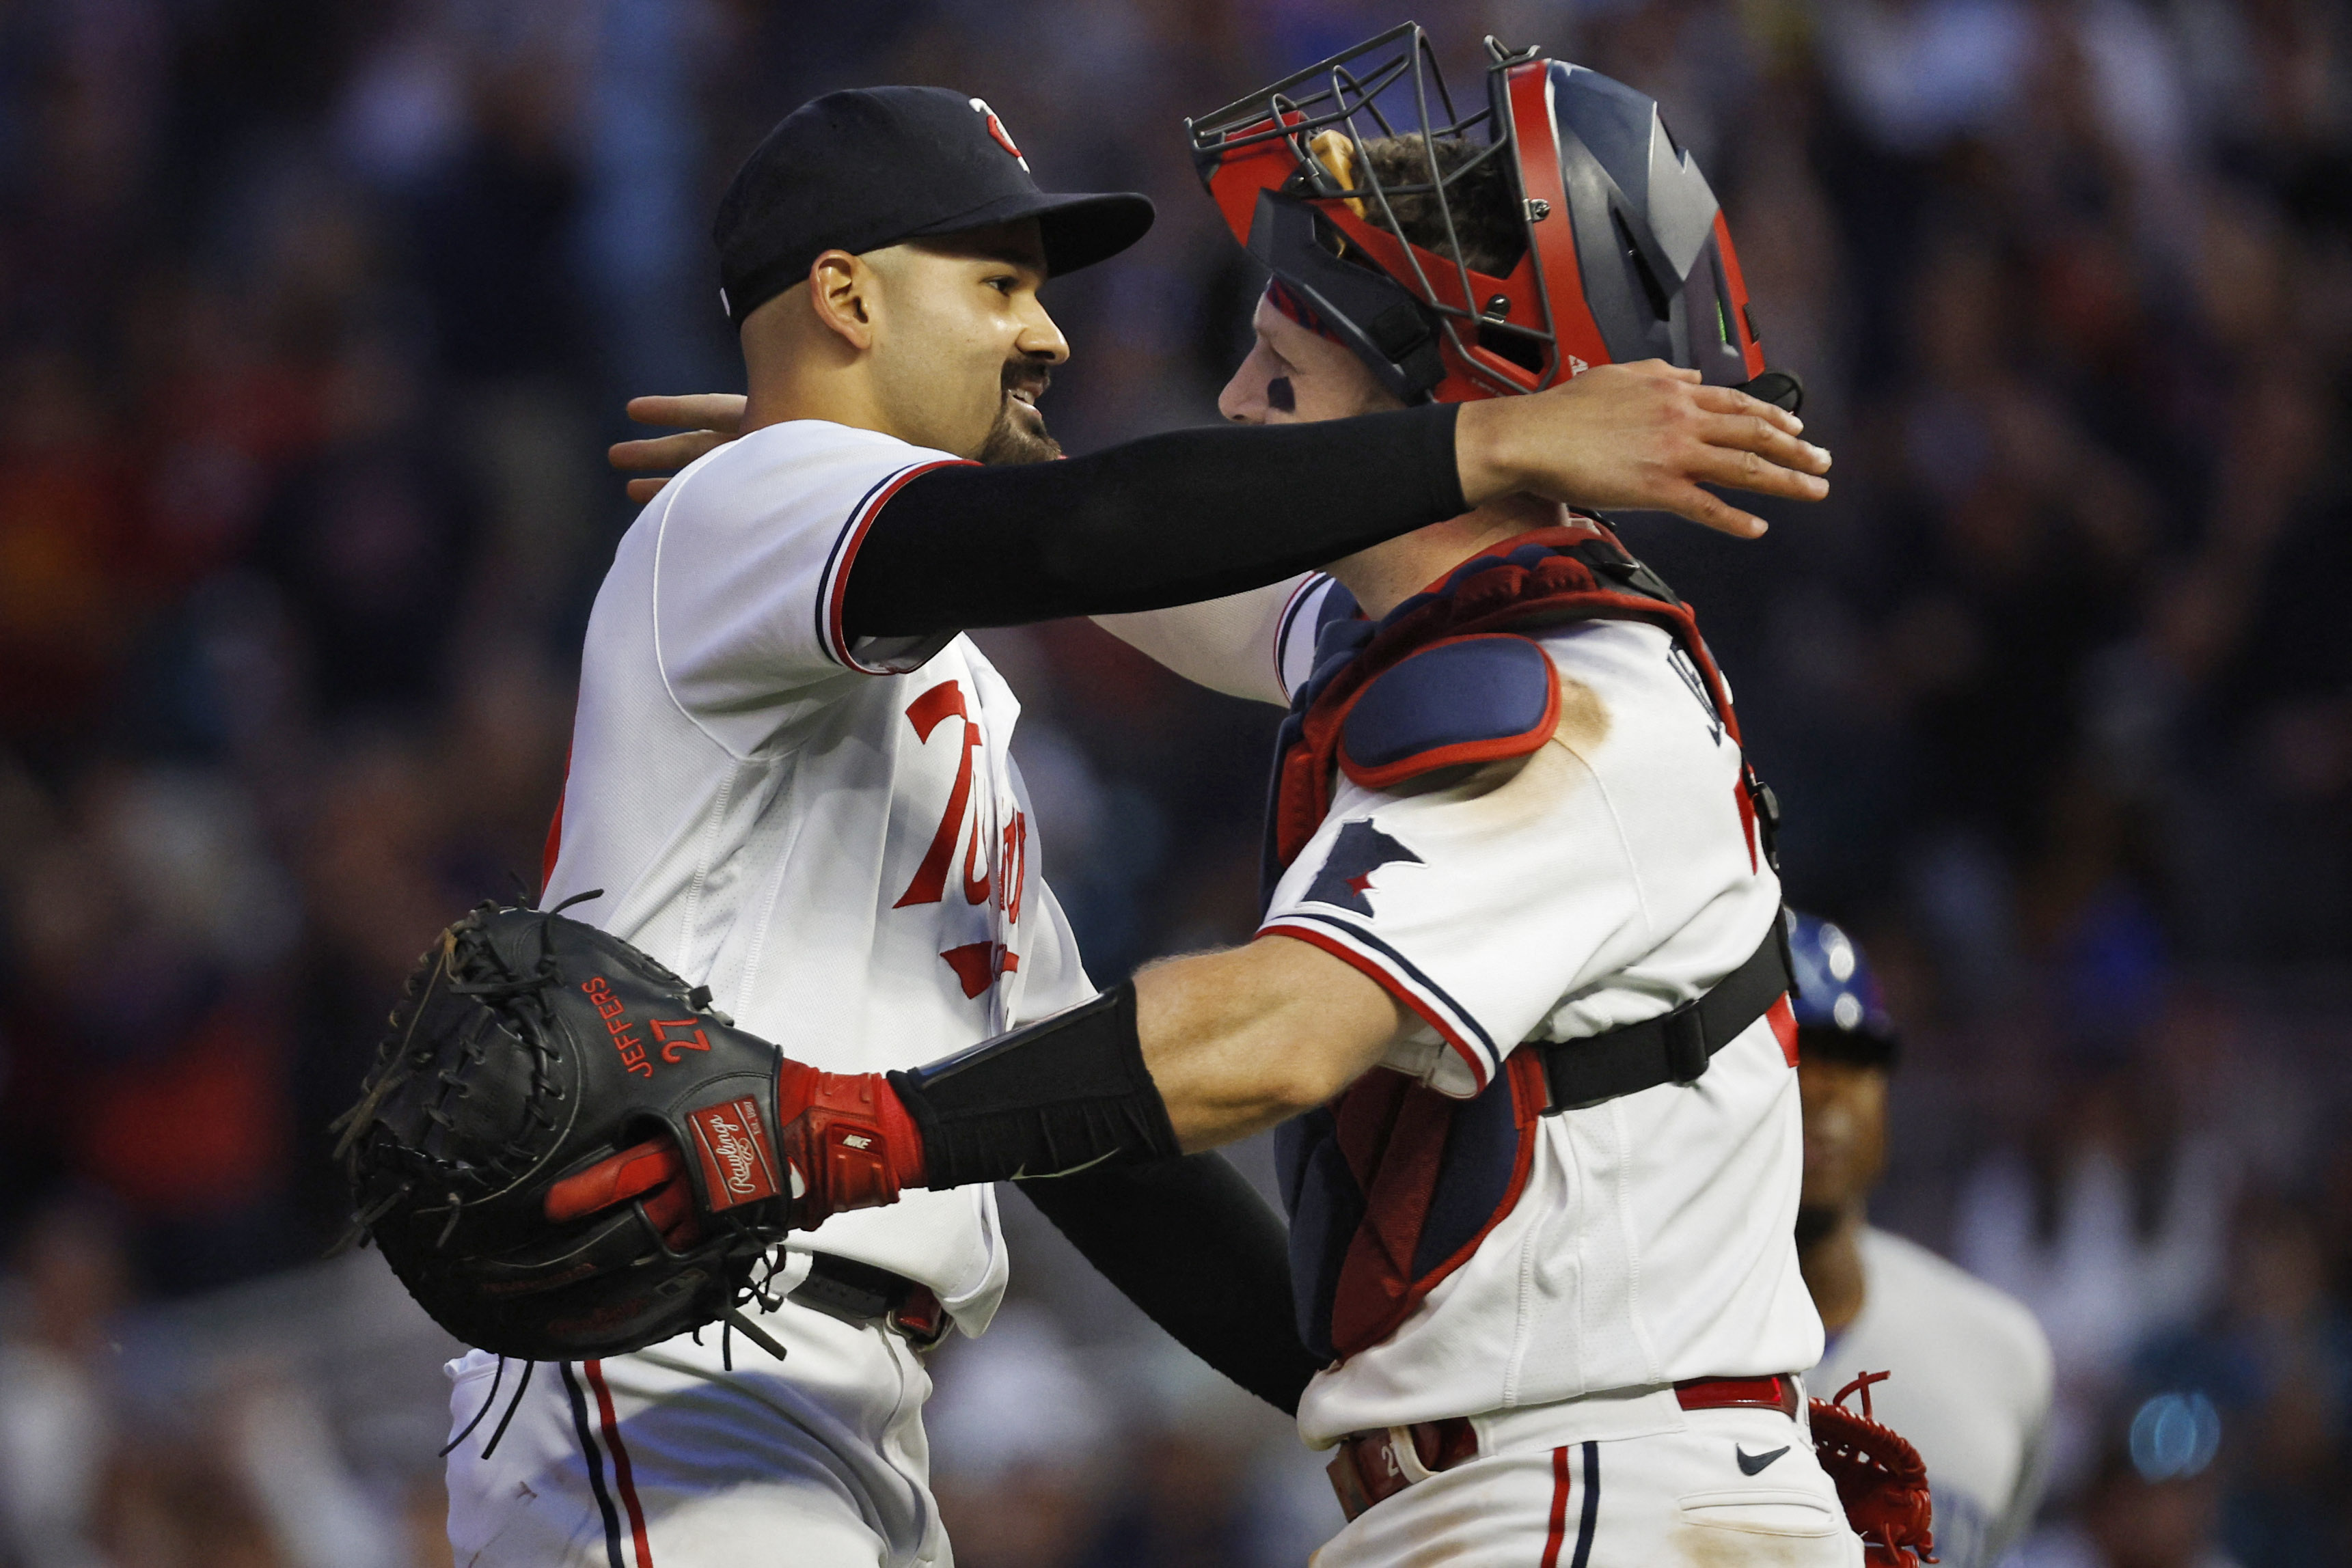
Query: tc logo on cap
[[996, 129]]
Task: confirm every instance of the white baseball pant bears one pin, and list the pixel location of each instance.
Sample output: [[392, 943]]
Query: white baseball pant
[[664, 1459], [1679, 1498]]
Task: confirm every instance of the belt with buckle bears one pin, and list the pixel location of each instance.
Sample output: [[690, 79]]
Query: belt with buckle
[[863, 1294], [1372, 1467]]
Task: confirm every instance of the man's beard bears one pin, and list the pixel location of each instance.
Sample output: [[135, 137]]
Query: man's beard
[[1009, 440]]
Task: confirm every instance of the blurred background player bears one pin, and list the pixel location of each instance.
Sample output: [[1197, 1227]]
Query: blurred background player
[[2154, 1497], [1971, 1377]]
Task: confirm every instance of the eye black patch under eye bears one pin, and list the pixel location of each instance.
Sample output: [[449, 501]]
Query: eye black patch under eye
[[1279, 395]]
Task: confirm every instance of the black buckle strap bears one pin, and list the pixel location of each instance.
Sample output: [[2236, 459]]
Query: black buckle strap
[[1675, 1048], [1616, 562], [867, 1296], [1767, 812], [853, 1291]]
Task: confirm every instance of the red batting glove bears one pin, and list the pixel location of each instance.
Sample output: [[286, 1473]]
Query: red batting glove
[[846, 1139]]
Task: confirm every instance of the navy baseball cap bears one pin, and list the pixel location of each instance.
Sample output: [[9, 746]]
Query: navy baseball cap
[[859, 169]]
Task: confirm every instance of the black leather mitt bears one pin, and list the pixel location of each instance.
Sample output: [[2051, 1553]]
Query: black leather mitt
[[527, 1048]]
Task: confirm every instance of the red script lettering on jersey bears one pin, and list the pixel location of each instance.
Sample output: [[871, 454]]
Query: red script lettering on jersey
[[927, 712], [1016, 865], [976, 964]]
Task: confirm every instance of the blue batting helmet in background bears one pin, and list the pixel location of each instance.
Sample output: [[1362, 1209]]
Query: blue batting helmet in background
[[1836, 999]]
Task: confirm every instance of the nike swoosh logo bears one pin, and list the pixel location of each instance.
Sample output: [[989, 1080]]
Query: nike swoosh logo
[[1753, 1464]]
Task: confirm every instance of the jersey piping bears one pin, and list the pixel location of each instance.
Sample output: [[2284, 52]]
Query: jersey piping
[[1586, 1519], [833, 586], [623, 1474], [1401, 978], [653, 615], [595, 1459], [1289, 620]]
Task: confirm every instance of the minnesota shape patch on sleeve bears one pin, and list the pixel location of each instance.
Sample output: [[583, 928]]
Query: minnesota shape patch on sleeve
[[1346, 878]]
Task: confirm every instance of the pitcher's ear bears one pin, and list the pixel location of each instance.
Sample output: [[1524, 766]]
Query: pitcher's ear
[[842, 290]]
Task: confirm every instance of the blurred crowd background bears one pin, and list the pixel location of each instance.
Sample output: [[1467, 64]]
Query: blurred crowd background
[[314, 319]]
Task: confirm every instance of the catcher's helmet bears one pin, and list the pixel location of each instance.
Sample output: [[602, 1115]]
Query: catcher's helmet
[[1836, 999], [1626, 254]]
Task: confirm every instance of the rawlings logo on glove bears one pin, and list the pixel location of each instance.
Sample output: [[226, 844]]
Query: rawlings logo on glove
[[736, 1166]]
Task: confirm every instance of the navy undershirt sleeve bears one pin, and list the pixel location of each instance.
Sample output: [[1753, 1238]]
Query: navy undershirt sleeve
[[1067, 1110], [1191, 1242], [1168, 519]]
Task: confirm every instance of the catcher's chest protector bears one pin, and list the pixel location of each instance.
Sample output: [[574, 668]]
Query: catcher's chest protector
[[1392, 1186]]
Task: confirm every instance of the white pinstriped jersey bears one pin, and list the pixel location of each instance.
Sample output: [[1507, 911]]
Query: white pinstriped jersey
[[833, 838]]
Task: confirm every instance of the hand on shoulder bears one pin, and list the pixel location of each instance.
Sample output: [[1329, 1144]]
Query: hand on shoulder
[[702, 422]]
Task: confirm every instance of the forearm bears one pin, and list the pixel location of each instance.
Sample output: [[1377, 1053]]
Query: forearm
[[1170, 519], [1192, 1054], [1191, 1243], [1195, 1053], [1640, 436], [1242, 1040], [1227, 644]]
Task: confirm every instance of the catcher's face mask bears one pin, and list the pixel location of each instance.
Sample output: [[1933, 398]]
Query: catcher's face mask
[[1626, 255]]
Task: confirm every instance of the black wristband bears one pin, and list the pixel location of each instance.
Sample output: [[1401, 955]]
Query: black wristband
[[1170, 520], [1050, 1098], [1191, 1242]]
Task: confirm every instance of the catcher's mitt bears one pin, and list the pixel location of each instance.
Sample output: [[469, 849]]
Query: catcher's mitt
[[1879, 1479], [527, 1048]]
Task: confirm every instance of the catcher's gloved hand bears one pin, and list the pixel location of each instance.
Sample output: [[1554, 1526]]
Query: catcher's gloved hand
[[516, 1150], [844, 1141]]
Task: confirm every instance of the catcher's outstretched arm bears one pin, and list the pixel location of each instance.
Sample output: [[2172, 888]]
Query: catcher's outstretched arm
[[1225, 644], [1192, 1054], [523, 1227]]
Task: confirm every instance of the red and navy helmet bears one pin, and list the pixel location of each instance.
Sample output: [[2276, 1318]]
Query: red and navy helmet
[[1626, 257], [1840, 1012]]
